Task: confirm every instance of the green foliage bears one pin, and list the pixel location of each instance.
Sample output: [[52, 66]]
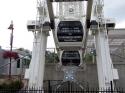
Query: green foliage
[[88, 57], [26, 62], [51, 57], [11, 85], [21, 49]]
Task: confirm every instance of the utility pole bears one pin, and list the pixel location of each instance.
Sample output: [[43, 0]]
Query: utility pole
[[11, 45]]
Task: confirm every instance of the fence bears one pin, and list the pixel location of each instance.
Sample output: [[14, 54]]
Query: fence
[[33, 90], [59, 86]]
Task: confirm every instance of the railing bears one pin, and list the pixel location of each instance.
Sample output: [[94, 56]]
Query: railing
[[39, 90], [56, 86]]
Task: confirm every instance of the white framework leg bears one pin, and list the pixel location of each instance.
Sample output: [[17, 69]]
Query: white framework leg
[[36, 73], [104, 63]]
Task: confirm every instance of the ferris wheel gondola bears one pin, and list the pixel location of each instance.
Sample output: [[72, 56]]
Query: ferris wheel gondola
[[71, 58], [69, 34]]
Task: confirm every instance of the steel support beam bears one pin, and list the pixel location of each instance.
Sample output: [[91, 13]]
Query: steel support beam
[[36, 68], [104, 62], [51, 13], [88, 17]]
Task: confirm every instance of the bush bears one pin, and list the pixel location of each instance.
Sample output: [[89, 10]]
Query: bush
[[11, 86], [88, 57]]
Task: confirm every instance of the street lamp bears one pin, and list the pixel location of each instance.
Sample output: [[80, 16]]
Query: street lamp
[[11, 45]]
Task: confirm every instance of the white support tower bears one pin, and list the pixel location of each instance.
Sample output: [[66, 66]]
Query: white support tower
[[36, 71], [104, 63], [40, 28]]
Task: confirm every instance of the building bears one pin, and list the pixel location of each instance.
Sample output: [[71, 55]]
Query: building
[[17, 66], [3, 69]]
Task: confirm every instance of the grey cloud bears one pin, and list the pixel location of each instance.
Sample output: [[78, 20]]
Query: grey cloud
[[115, 9]]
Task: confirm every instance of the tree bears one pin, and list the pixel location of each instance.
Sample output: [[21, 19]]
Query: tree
[[51, 57], [10, 54]]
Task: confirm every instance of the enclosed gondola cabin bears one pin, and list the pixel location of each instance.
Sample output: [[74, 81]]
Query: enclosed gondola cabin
[[71, 58], [70, 34]]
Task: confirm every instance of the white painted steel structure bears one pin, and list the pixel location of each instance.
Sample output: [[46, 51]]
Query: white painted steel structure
[[70, 10], [104, 62]]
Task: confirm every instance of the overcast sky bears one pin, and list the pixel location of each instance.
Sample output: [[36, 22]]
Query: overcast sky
[[22, 10]]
